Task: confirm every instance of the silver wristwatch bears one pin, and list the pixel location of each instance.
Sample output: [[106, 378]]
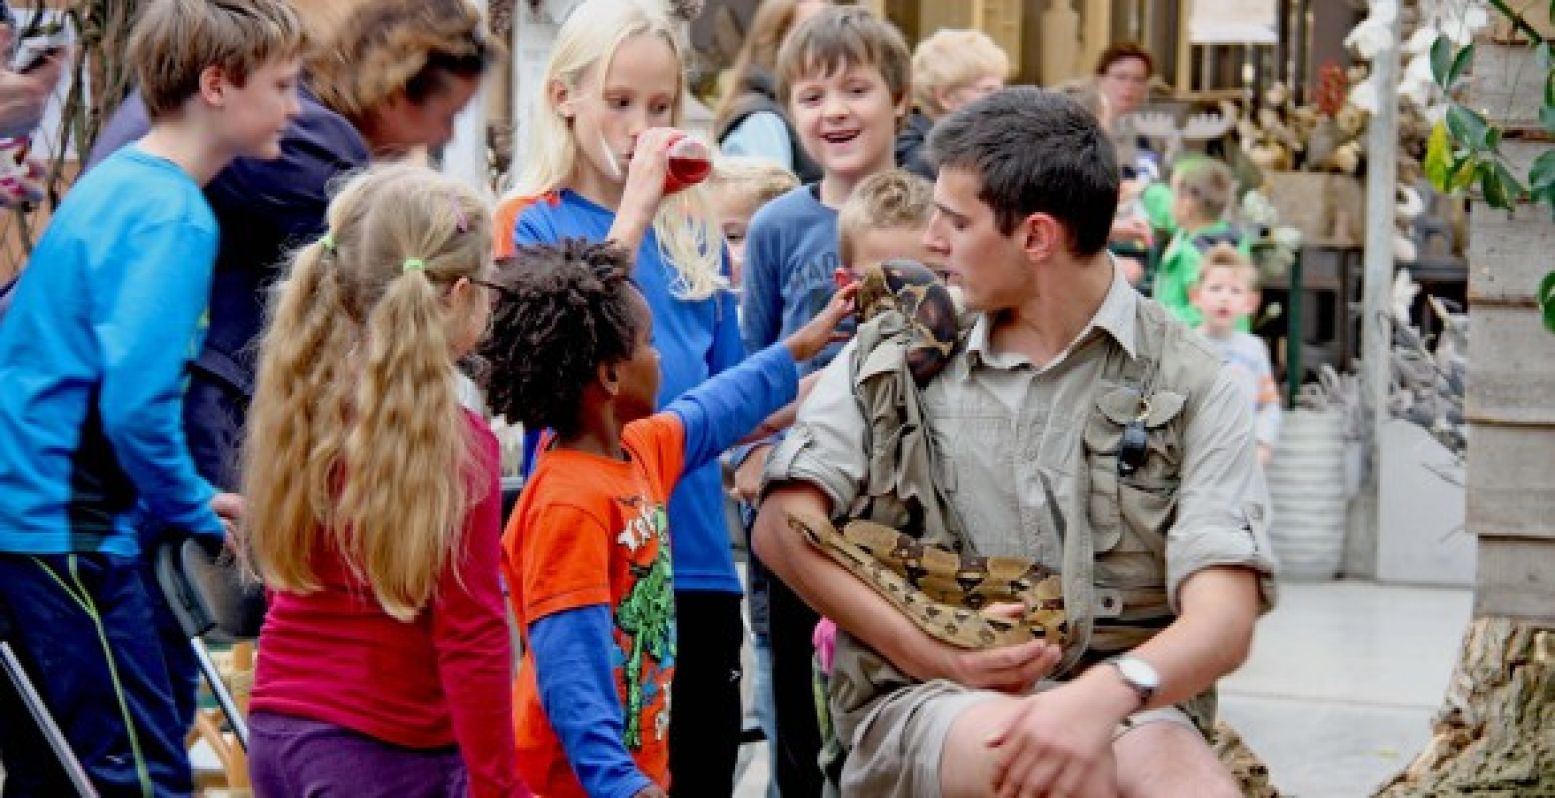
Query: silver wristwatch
[[1139, 675]]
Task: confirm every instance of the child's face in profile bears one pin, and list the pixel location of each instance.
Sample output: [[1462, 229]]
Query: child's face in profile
[[735, 207], [1222, 295], [638, 375], [880, 244], [847, 120], [258, 112]]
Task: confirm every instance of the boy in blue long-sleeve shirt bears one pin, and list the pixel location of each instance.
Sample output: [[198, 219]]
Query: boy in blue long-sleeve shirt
[[92, 354], [587, 550]]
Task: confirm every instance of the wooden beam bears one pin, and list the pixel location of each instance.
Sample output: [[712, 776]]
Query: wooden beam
[[1514, 579]]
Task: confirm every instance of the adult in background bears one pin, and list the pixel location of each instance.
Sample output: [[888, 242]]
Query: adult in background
[[390, 80], [1123, 77], [949, 70], [749, 119]]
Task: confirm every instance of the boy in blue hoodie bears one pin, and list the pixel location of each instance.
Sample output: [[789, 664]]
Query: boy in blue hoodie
[[93, 355]]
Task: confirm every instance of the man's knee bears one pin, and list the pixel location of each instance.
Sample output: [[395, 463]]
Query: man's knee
[[1169, 759]]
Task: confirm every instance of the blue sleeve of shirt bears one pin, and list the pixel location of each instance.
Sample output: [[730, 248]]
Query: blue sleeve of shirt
[[145, 326], [720, 411], [578, 692], [761, 288]]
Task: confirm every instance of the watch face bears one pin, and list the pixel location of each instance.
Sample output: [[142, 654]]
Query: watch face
[[1139, 673]]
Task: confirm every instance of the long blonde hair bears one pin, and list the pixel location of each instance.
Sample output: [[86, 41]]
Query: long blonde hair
[[356, 443], [587, 41]]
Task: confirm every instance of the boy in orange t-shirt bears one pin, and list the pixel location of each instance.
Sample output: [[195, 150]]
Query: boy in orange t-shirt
[[586, 553]]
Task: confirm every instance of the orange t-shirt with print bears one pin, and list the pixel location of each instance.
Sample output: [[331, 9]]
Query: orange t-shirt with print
[[590, 530]]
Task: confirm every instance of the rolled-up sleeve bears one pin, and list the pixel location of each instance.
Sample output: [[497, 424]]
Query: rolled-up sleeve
[[1223, 504], [828, 444]]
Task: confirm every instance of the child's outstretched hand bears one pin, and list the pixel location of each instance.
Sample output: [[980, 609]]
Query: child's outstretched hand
[[809, 340]]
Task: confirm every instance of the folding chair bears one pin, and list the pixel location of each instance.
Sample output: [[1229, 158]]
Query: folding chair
[[40, 712], [212, 601]]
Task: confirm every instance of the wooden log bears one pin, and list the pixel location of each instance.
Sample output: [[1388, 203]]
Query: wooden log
[[1495, 734]]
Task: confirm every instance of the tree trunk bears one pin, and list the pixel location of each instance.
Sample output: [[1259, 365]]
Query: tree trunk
[[1495, 734], [1251, 774]]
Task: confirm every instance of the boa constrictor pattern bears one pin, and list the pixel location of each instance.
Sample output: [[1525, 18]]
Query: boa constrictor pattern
[[944, 593]]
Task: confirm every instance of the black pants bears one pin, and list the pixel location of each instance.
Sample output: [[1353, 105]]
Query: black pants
[[791, 625], [82, 627], [705, 696]]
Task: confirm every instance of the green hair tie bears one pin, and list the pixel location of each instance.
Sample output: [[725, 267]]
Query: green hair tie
[[414, 265], [327, 242]]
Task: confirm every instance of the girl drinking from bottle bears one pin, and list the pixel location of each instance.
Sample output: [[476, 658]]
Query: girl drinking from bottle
[[598, 167]]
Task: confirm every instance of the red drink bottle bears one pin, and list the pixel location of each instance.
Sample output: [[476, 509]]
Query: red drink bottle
[[689, 164]]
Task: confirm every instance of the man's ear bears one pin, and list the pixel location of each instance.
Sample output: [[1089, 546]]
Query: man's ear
[[1042, 237]]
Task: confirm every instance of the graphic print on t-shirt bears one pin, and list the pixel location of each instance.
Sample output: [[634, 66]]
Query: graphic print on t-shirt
[[645, 624]]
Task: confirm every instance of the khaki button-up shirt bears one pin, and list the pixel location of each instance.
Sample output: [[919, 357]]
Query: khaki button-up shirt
[[998, 421]]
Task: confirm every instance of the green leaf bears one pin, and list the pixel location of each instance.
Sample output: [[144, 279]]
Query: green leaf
[[1495, 191], [1461, 174], [1547, 300], [1541, 176], [1460, 62], [1438, 161], [1467, 127], [1441, 60], [1544, 56], [1547, 117]]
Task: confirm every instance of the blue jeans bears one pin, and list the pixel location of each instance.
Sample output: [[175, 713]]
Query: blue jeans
[[82, 627], [766, 714]]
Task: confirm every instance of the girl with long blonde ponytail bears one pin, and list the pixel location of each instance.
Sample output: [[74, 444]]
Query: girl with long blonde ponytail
[[375, 510]]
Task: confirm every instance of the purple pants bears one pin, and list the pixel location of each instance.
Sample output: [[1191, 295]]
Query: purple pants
[[293, 757]]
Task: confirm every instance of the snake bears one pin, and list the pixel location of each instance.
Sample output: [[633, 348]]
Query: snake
[[953, 597]]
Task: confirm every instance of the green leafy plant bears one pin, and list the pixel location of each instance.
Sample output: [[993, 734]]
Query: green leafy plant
[[1465, 147]]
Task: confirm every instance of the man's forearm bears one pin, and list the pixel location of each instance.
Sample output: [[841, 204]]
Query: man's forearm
[[1211, 636], [828, 587]]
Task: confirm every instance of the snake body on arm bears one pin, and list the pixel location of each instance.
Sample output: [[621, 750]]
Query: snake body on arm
[[952, 597]]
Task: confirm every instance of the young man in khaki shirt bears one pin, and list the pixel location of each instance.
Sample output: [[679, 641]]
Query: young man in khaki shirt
[[1025, 196]]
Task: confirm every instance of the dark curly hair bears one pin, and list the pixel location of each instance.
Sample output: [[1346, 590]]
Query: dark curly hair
[[565, 309]]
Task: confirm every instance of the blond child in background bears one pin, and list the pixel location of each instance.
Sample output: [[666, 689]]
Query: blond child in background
[[1225, 293], [949, 69], [738, 187]]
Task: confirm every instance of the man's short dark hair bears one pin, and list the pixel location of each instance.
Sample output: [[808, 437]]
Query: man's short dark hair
[[1035, 151]]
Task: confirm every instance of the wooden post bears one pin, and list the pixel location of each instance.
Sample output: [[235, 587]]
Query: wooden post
[[1495, 734], [1098, 32], [1376, 325]]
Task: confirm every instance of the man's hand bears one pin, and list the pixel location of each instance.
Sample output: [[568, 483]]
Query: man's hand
[[1059, 741], [1011, 669], [747, 478]]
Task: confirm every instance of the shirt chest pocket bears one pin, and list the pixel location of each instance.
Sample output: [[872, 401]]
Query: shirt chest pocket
[[973, 441], [1131, 512]]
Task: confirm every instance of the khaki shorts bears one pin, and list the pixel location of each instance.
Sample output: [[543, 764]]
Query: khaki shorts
[[895, 752]]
